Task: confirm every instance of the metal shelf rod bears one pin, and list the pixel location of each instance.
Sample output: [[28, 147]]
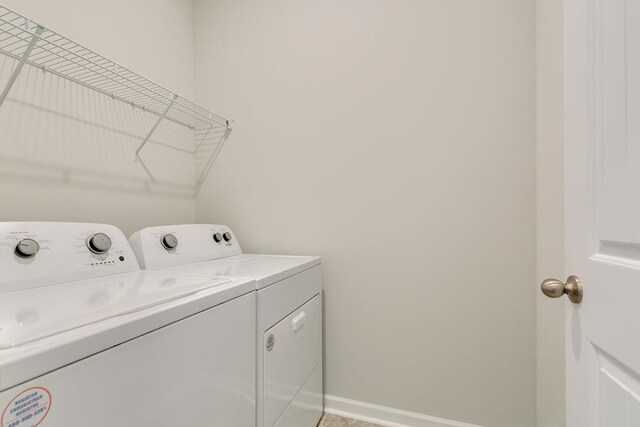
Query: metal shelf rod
[[109, 94], [175, 123], [101, 67]]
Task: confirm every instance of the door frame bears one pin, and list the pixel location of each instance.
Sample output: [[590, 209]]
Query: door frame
[[579, 132]]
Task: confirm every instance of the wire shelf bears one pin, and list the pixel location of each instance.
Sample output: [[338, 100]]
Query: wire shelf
[[28, 43]]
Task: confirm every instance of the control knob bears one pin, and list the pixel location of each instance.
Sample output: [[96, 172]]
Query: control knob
[[217, 237], [169, 241], [27, 248], [227, 236], [99, 243]]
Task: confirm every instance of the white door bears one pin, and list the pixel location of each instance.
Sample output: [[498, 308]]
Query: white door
[[602, 208]]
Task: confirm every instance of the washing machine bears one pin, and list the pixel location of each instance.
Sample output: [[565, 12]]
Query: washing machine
[[88, 339], [289, 312]]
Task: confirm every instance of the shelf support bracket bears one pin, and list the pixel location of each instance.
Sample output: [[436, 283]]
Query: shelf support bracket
[[155, 125], [151, 131], [23, 60], [207, 168]]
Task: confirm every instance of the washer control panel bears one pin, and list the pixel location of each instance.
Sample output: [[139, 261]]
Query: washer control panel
[[34, 254], [174, 245]]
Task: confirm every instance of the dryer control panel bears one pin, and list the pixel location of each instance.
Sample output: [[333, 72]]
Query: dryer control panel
[[35, 254], [174, 245]]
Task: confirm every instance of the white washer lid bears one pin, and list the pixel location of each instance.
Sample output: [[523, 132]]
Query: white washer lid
[[33, 314], [265, 269]]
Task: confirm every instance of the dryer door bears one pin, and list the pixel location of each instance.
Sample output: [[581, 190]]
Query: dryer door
[[292, 350]]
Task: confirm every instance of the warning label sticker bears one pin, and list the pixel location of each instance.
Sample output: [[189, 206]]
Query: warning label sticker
[[28, 409]]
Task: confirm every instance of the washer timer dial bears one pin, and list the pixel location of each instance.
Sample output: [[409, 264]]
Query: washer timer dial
[[169, 241], [27, 248], [99, 243]]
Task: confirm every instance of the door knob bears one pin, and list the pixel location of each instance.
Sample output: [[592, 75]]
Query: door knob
[[554, 288]]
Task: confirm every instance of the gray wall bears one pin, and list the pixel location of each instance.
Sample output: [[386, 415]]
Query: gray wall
[[397, 140]]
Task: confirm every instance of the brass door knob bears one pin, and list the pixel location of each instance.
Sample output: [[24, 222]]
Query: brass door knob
[[554, 288]]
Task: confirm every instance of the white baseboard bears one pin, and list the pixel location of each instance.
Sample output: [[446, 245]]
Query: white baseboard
[[384, 416]]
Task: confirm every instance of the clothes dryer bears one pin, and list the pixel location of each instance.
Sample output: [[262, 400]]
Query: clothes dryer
[[289, 312]]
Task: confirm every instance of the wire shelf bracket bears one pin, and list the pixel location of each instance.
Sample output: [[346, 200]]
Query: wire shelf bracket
[[146, 139], [22, 61], [207, 168]]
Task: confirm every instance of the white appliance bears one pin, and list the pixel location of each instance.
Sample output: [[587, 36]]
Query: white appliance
[[87, 339], [289, 312]]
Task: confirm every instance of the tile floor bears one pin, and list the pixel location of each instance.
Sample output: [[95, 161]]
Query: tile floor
[[336, 421]]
